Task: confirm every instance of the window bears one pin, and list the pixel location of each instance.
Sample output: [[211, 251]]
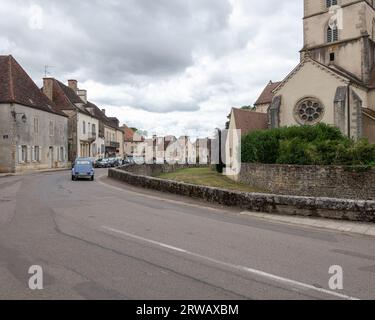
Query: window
[[332, 56], [93, 128], [36, 154], [332, 34], [331, 3], [36, 125], [51, 128], [309, 111], [84, 127], [23, 154]]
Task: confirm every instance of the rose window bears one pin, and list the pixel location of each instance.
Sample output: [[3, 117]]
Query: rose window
[[309, 111]]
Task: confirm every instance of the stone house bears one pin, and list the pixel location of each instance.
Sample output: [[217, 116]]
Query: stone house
[[33, 131], [264, 101], [83, 126], [114, 137], [242, 122], [334, 82], [133, 142]]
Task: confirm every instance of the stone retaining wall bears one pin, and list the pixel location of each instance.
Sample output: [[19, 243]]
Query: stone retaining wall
[[314, 181], [269, 203]]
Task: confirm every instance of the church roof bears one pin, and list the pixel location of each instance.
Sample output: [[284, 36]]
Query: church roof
[[16, 86], [267, 94], [248, 121], [332, 69]]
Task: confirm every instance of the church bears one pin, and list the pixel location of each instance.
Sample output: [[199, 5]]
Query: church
[[334, 82]]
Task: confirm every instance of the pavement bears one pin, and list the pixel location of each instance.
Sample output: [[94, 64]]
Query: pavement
[[105, 240]]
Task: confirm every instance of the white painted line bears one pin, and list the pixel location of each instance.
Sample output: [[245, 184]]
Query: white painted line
[[263, 274]]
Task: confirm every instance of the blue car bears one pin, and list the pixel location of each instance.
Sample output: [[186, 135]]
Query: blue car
[[83, 169]]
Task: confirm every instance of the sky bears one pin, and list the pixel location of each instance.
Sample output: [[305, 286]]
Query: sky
[[165, 66]]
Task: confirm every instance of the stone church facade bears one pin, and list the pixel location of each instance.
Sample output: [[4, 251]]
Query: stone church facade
[[334, 82]]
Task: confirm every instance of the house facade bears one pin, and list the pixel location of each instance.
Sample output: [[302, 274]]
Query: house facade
[[33, 132], [334, 82], [83, 137]]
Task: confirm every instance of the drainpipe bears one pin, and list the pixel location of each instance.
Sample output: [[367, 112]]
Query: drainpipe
[[349, 118]]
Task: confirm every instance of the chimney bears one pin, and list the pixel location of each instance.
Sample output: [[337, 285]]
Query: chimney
[[73, 84], [48, 87], [83, 95], [103, 110]]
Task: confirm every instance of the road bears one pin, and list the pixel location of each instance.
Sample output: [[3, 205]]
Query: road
[[104, 240]]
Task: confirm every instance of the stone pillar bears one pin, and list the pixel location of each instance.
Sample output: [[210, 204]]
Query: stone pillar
[[356, 123], [274, 113], [340, 109]]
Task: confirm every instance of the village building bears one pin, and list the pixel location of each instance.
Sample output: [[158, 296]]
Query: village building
[[264, 101], [83, 127], [33, 131], [334, 82], [133, 142]]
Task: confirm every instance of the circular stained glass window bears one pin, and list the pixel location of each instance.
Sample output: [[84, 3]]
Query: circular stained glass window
[[309, 111]]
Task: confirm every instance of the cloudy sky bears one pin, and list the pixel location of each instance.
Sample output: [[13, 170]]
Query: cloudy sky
[[165, 66]]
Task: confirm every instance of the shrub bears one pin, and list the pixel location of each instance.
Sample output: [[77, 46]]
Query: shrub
[[306, 145]]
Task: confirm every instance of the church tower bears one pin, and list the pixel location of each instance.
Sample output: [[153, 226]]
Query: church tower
[[341, 33]]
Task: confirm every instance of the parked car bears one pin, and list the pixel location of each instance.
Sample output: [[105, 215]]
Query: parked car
[[102, 163], [83, 169]]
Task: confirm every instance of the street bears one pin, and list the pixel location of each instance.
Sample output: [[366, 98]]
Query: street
[[104, 240]]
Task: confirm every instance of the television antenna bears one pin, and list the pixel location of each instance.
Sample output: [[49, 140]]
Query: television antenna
[[46, 70]]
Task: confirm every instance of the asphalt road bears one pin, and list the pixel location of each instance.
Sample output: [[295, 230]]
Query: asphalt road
[[103, 240]]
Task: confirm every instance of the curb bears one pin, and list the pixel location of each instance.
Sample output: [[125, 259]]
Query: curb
[[367, 229]]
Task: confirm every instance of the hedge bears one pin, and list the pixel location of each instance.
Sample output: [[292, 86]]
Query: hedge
[[306, 145]]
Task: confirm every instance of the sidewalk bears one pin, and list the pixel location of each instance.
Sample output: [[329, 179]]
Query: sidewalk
[[337, 225], [4, 175]]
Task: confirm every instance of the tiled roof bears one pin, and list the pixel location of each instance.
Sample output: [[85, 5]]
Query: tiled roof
[[369, 112], [17, 87], [267, 95], [248, 121], [128, 133], [66, 98], [99, 114]]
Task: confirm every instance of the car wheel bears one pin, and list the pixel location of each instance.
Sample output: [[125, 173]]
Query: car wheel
[[92, 178], [73, 178]]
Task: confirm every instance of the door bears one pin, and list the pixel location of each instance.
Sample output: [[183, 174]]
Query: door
[[51, 157]]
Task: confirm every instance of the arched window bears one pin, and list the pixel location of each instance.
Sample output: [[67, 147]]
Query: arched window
[[332, 34], [331, 3]]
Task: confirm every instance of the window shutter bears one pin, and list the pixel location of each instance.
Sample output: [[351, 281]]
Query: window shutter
[[40, 154], [33, 154], [19, 154]]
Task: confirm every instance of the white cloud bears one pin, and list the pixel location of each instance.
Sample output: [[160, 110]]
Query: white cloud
[[164, 66]]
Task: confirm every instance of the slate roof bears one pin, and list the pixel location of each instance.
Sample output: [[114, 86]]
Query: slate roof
[[248, 121], [16, 86], [267, 95]]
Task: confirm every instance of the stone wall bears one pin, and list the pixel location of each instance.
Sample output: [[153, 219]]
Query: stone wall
[[314, 181], [290, 205]]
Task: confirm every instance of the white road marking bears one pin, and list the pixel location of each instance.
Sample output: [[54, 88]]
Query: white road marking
[[260, 273]]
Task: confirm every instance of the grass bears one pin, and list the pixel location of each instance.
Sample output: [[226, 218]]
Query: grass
[[207, 177]]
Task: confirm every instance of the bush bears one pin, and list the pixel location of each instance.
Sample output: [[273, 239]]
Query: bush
[[306, 145]]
